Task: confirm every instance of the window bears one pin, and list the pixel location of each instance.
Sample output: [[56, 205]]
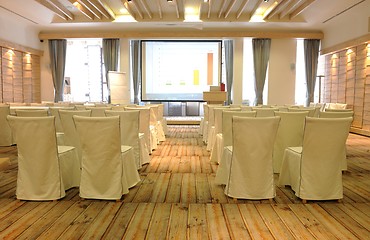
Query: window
[[84, 78]]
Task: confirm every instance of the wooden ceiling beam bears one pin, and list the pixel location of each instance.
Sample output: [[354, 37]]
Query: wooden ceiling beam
[[241, 10], [210, 3], [136, 6], [146, 9], [301, 8], [274, 11], [61, 8], [129, 8], [228, 10], [159, 7], [177, 9], [82, 9], [91, 8], [108, 9], [99, 6], [256, 6], [51, 7], [290, 7], [222, 8]]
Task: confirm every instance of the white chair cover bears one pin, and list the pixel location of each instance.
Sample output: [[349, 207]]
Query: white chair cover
[[338, 110], [290, 134], [265, 111], [225, 139], [107, 172], [162, 120], [311, 110], [130, 135], [314, 170], [212, 125], [98, 111], [54, 111], [45, 171], [6, 138], [144, 127], [155, 122], [339, 114], [251, 175], [32, 112], [70, 135]]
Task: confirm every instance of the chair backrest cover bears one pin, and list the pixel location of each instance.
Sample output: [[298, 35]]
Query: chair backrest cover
[[328, 114], [101, 166], [6, 138], [227, 123], [290, 134], [251, 173], [218, 117], [98, 111], [39, 176], [310, 110], [31, 112], [265, 111], [144, 122], [70, 134], [129, 125], [54, 111], [338, 110], [322, 151]]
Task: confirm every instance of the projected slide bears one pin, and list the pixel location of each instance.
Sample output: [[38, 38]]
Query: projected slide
[[179, 70]]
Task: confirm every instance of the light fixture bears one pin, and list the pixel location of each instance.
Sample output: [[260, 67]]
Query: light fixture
[[169, 0], [266, 0]]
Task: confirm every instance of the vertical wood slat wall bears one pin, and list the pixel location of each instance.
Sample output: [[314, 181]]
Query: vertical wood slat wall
[[20, 76], [347, 80]]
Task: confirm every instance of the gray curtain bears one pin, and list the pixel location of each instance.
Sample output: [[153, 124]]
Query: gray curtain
[[58, 50], [261, 55], [111, 57], [311, 56], [136, 70], [229, 67]]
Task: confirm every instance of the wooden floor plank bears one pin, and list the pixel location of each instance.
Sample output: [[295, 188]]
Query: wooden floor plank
[[159, 223], [146, 188], [234, 220], [273, 222], [178, 221], [216, 222], [291, 221], [197, 222], [188, 190], [160, 188], [203, 192], [120, 222], [99, 226], [137, 229], [174, 188]]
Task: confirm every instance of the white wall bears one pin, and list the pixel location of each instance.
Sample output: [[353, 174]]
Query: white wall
[[281, 83], [347, 26], [18, 30], [47, 86]]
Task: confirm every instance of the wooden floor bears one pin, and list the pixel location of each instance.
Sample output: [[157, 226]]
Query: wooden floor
[[177, 199]]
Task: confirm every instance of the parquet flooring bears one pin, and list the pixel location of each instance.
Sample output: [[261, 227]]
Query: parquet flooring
[[177, 199]]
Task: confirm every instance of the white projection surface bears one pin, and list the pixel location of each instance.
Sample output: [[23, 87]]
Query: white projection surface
[[179, 70]]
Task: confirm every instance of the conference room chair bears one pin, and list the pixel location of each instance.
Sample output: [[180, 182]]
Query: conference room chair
[[290, 134], [313, 170], [32, 112], [212, 126], [311, 110], [224, 141], [98, 111], [265, 111], [130, 134], [45, 170], [250, 170], [338, 110], [6, 138], [108, 169], [339, 114], [144, 127], [70, 134]]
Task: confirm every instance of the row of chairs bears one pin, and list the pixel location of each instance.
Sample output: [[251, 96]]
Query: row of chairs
[[45, 170], [313, 169]]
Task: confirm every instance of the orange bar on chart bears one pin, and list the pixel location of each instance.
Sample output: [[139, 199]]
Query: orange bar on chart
[[209, 68]]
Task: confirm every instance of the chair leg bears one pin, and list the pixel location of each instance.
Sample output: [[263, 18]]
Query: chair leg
[[304, 201]]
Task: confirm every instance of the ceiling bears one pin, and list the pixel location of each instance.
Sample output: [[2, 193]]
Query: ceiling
[[308, 15]]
